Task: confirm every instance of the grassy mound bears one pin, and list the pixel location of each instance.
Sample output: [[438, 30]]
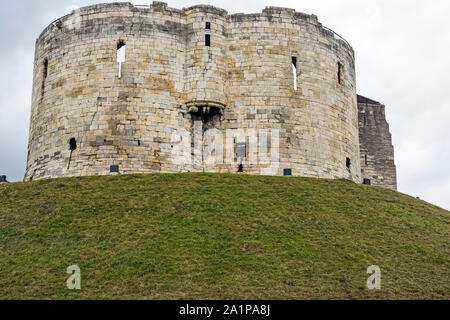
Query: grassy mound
[[219, 236]]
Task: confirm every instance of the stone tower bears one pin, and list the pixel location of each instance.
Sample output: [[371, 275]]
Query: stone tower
[[128, 89], [377, 151]]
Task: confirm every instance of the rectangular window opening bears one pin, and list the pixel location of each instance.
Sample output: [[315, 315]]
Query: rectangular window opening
[[44, 76], [287, 172], [114, 169], [365, 159], [339, 73], [72, 147], [208, 34], [348, 163], [45, 71], [72, 144], [294, 71], [121, 53]]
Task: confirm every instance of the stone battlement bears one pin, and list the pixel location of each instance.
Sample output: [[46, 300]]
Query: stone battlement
[[269, 13]]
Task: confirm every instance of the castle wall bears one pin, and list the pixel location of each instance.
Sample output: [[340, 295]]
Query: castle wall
[[180, 105], [377, 151]]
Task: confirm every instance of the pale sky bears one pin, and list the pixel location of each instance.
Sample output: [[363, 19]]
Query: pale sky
[[402, 60]]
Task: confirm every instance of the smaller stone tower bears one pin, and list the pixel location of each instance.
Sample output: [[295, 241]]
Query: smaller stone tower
[[375, 142]]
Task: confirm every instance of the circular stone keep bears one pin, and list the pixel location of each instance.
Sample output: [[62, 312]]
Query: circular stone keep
[[157, 89]]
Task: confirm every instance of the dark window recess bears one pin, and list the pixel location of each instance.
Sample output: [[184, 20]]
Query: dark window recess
[[339, 73], [365, 120], [348, 163], [72, 147], [287, 172], [365, 159], [114, 169], [44, 76], [139, 142], [208, 34], [120, 44], [73, 144], [294, 71], [366, 181], [241, 168], [45, 71], [294, 61]]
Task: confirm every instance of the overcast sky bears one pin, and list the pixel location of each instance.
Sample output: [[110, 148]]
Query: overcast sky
[[402, 60]]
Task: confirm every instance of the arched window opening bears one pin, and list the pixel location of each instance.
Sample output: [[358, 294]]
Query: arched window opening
[[121, 53], [72, 147], [73, 144]]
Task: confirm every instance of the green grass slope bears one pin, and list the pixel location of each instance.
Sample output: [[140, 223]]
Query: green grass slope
[[218, 236]]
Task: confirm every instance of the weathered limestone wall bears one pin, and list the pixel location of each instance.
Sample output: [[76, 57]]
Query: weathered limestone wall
[[377, 151], [317, 123], [183, 106]]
